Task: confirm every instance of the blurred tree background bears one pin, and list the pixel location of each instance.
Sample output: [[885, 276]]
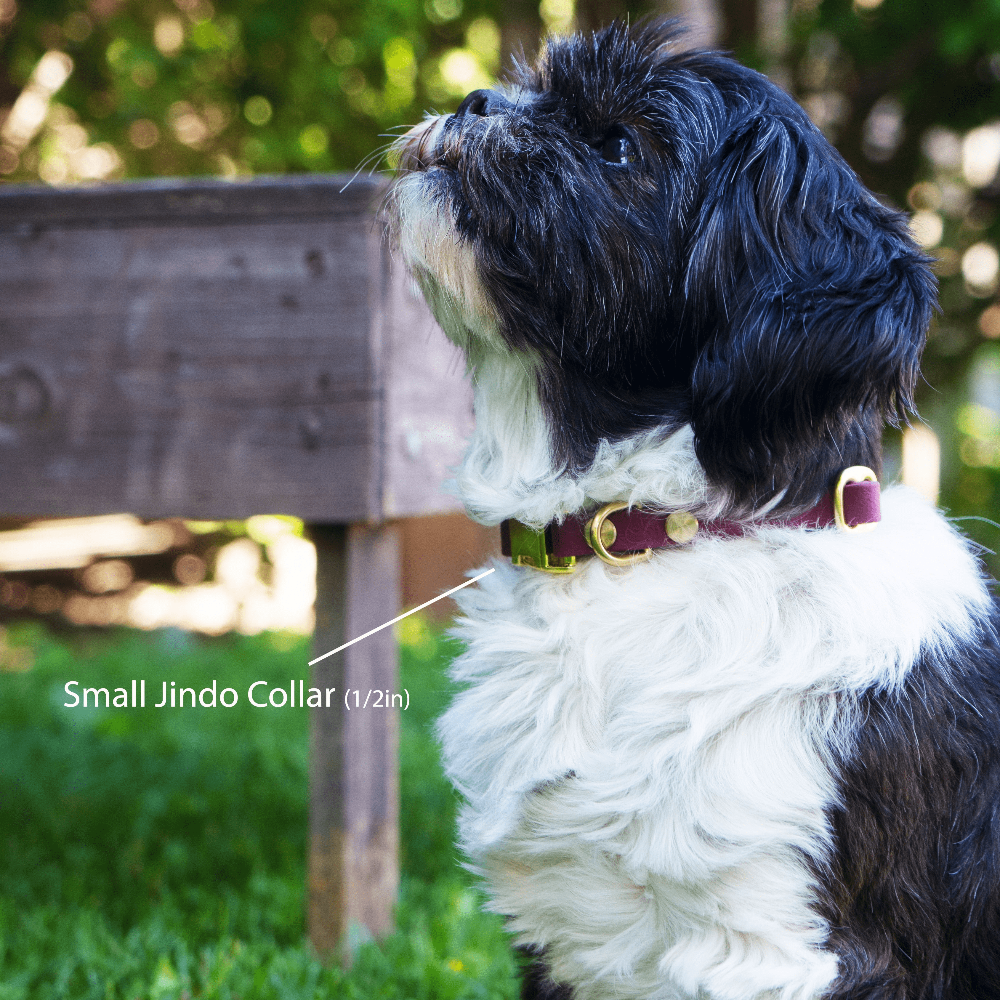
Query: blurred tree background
[[95, 90]]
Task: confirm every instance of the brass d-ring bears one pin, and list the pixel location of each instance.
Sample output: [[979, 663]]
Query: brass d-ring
[[855, 474], [593, 534]]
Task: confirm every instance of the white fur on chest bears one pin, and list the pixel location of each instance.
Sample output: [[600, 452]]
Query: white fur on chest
[[645, 754]]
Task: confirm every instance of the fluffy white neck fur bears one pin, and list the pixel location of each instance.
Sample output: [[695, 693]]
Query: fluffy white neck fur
[[508, 469]]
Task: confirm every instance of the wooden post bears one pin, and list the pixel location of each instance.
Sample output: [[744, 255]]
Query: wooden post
[[353, 782]]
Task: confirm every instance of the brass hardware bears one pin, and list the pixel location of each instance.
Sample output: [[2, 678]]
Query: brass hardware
[[681, 526], [595, 532], [528, 548], [855, 474], [609, 533]]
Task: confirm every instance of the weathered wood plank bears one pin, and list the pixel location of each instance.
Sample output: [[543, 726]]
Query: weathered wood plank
[[428, 405], [354, 794], [216, 350], [182, 201]]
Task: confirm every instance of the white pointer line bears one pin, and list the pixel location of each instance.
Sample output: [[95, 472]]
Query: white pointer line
[[405, 614]]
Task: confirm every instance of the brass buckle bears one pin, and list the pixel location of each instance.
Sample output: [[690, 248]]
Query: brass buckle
[[855, 474], [530, 548], [599, 537]]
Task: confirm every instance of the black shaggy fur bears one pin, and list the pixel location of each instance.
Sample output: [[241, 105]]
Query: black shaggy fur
[[912, 892], [732, 272], [535, 981]]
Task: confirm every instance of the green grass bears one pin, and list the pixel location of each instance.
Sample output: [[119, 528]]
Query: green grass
[[161, 853]]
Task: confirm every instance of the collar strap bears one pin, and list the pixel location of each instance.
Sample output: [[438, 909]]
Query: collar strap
[[623, 537]]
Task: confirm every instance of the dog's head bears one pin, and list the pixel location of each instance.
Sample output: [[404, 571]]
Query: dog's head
[[629, 239]]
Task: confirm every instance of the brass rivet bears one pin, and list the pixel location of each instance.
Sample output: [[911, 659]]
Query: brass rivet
[[681, 526]]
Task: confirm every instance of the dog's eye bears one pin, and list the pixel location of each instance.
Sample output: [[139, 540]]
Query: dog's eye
[[618, 148]]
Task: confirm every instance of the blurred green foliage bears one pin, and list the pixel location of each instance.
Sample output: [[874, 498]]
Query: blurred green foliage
[[231, 87], [160, 853]]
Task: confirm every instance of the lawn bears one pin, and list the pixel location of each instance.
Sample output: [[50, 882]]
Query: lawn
[[161, 853]]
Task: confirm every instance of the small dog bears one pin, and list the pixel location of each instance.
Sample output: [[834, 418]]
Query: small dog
[[741, 750]]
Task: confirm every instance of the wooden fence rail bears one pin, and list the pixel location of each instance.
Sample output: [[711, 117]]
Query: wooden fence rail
[[211, 350]]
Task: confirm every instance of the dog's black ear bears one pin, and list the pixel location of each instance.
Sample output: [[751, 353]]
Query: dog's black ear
[[810, 302]]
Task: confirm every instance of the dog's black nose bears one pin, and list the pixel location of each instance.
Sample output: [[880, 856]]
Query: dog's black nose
[[484, 103]]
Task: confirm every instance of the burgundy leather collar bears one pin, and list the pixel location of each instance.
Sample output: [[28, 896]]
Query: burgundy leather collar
[[628, 536]]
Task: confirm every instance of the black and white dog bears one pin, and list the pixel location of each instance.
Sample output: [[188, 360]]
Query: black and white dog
[[761, 758]]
